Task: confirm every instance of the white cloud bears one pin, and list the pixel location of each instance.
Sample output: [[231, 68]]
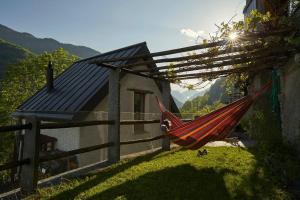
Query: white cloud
[[191, 33]]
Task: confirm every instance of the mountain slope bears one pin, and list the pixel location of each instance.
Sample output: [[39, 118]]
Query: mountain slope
[[183, 96], [217, 92], [39, 45], [178, 103], [10, 54]]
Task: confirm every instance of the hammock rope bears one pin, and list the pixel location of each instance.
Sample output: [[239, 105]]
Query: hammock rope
[[214, 126]]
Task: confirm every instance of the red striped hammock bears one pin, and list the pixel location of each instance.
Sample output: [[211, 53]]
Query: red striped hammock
[[214, 126]]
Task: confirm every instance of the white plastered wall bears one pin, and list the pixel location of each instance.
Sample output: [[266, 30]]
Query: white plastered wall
[[98, 134]]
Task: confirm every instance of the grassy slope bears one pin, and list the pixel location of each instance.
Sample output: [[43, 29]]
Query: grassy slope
[[225, 173]]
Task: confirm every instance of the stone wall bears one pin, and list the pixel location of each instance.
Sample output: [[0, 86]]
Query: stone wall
[[290, 103], [263, 123], [260, 120]]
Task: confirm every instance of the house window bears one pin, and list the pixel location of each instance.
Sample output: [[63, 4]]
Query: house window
[[139, 110]]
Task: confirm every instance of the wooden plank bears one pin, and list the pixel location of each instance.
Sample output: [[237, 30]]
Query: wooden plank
[[143, 140], [254, 67], [163, 53], [241, 49], [140, 91], [129, 71], [94, 123], [14, 164], [129, 122], [249, 36], [75, 124], [221, 64], [15, 127], [249, 55], [74, 152]]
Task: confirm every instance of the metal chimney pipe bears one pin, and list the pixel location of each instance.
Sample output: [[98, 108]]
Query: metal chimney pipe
[[49, 77]]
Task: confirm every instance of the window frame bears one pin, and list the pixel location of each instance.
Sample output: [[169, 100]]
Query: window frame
[[139, 128]]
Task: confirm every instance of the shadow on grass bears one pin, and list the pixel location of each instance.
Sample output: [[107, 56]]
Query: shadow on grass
[[104, 175], [280, 165], [180, 182]]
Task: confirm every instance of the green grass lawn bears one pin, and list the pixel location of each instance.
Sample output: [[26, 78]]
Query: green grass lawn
[[225, 173]]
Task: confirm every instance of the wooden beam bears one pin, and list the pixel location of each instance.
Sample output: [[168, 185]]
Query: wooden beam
[[260, 34], [14, 164], [196, 56], [224, 72], [15, 127], [248, 36], [258, 52], [75, 124], [130, 122], [94, 123], [166, 100], [128, 71], [114, 114], [74, 152], [163, 53], [140, 74], [29, 172], [221, 64], [257, 59], [143, 140], [140, 91]]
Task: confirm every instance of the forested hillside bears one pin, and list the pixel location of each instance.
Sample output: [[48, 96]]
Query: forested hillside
[[217, 92], [214, 98], [10, 54]]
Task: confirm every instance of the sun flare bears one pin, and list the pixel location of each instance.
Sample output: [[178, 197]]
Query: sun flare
[[233, 36]]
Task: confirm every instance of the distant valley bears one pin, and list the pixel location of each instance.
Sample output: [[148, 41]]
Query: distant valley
[[181, 97]]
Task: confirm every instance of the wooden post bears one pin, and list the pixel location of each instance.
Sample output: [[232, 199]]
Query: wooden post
[[29, 172], [114, 114], [16, 153], [166, 94]]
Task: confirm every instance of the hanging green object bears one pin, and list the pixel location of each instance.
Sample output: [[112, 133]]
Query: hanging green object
[[275, 92]]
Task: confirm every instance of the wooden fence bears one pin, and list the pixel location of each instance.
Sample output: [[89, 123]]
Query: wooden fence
[[29, 169], [31, 147]]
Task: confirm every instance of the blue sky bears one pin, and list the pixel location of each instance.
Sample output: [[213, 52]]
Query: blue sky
[[109, 24]]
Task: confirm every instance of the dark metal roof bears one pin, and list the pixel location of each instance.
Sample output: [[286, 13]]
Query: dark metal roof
[[78, 88]]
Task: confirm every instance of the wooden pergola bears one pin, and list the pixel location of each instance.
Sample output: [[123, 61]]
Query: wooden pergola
[[219, 58]]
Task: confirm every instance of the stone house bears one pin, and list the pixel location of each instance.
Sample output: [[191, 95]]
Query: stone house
[[80, 93]]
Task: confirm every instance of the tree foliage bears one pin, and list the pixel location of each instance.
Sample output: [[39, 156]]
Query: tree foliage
[[277, 18], [22, 80], [26, 77]]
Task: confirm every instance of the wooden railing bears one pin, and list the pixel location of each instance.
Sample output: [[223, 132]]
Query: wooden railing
[[30, 151], [33, 128]]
